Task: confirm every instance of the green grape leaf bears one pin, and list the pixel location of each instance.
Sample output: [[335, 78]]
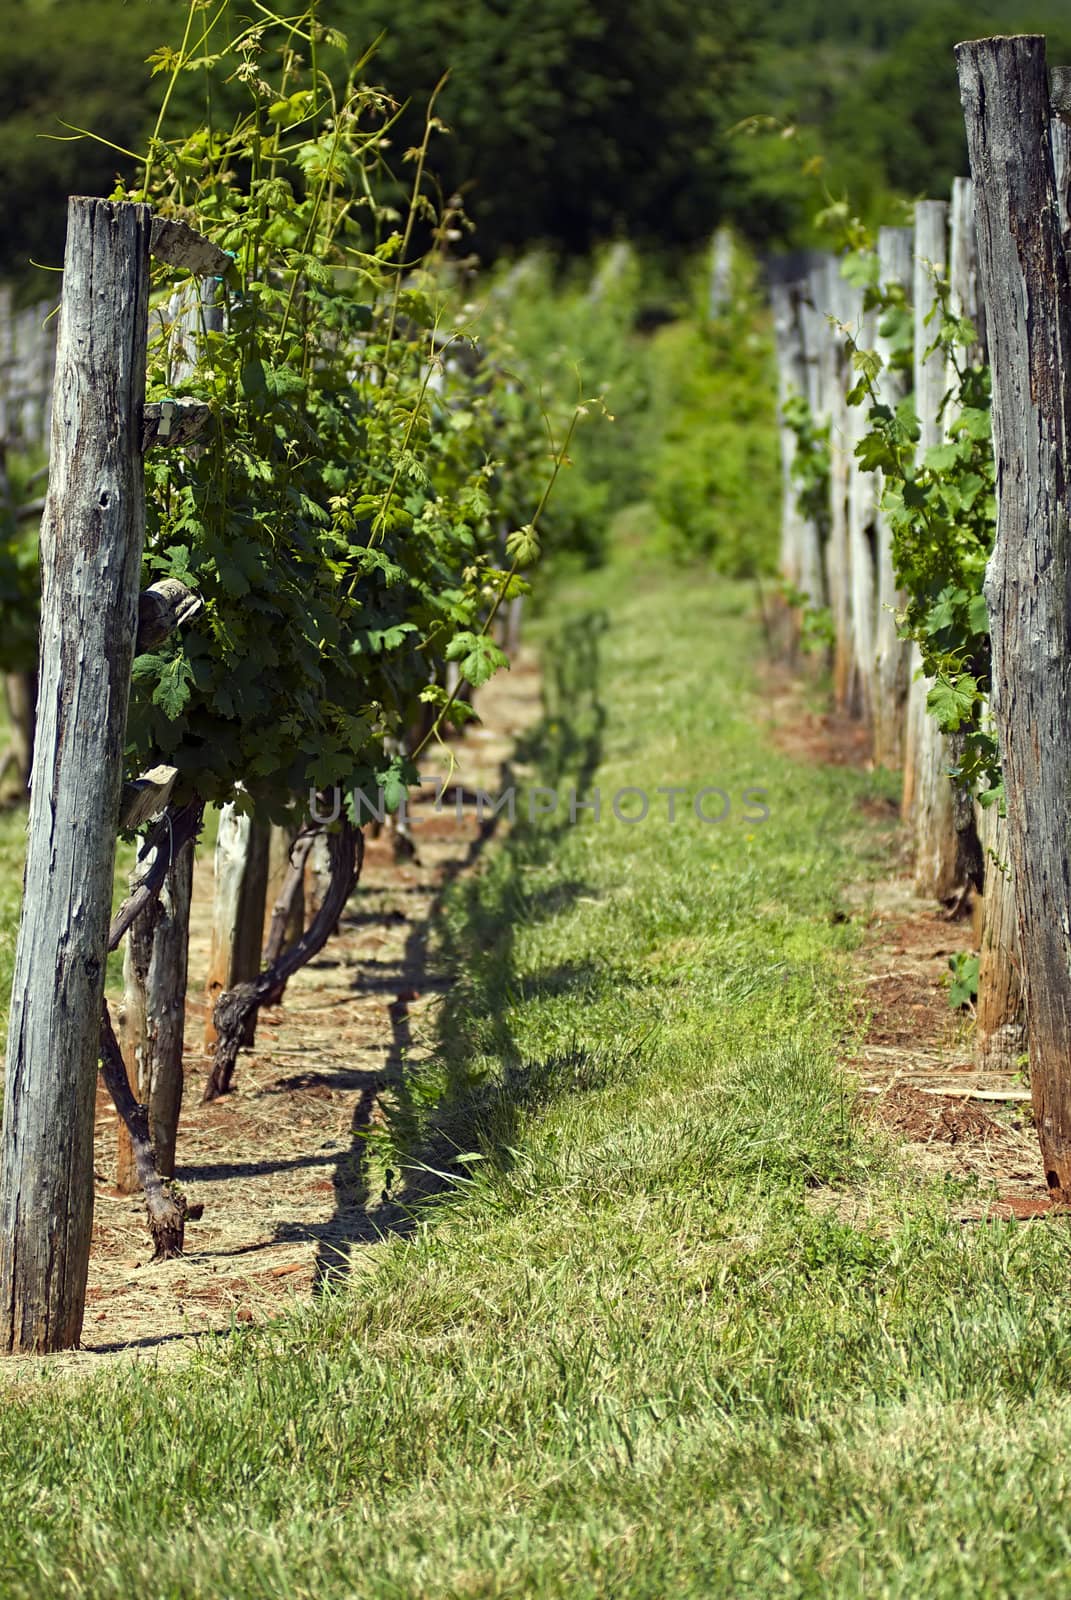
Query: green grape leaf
[[478, 657]]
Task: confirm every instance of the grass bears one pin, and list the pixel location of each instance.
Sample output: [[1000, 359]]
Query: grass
[[12, 848], [12, 853], [622, 1352]]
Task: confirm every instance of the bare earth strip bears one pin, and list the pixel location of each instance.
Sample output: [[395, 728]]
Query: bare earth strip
[[276, 1164], [915, 1063]]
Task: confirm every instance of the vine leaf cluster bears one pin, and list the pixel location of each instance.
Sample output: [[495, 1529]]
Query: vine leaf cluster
[[340, 518]]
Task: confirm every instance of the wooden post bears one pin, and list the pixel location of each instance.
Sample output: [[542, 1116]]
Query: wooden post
[[965, 293], [791, 381], [280, 847], [930, 255], [238, 907], [962, 849], [1027, 289], [511, 641], [862, 540], [721, 273], [891, 653], [927, 786], [610, 270], [152, 1018], [91, 543], [1060, 138], [1000, 1022], [817, 358], [319, 873], [840, 304]]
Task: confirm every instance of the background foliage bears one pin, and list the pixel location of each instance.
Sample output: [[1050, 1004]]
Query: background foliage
[[687, 449], [595, 118]]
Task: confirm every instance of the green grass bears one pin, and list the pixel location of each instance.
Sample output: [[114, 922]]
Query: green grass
[[12, 848], [12, 854], [622, 1352]]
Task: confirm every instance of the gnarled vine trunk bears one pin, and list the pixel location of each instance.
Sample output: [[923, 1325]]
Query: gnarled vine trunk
[[152, 1017], [236, 1007]]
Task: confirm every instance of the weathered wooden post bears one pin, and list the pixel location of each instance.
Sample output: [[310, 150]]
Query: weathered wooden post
[[238, 907], [720, 298], [964, 290], [1000, 1023], [862, 541], [91, 544], [20, 688], [1027, 290], [791, 381], [892, 654], [837, 573], [280, 851], [928, 800], [20, 698], [817, 358], [930, 255], [962, 850], [1060, 139]]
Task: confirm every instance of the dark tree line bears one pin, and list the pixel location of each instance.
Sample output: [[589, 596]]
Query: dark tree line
[[570, 120]]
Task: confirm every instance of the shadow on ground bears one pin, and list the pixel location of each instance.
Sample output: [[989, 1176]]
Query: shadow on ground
[[475, 967]]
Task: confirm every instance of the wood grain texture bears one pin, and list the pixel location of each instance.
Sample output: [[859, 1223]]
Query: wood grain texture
[[238, 907], [891, 653], [932, 815], [91, 543], [1025, 281], [791, 381], [171, 423], [1000, 1021], [182, 246], [818, 357], [862, 538], [840, 302]]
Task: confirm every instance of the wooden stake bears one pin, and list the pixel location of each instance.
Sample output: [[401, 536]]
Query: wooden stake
[[1027, 290], [238, 907], [91, 543], [841, 304], [1000, 1025], [928, 789], [892, 654], [862, 540], [791, 382]]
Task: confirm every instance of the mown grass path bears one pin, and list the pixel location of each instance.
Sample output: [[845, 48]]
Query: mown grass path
[[623, 1352]]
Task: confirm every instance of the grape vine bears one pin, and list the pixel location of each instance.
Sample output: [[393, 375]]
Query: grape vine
[[337, 519]]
